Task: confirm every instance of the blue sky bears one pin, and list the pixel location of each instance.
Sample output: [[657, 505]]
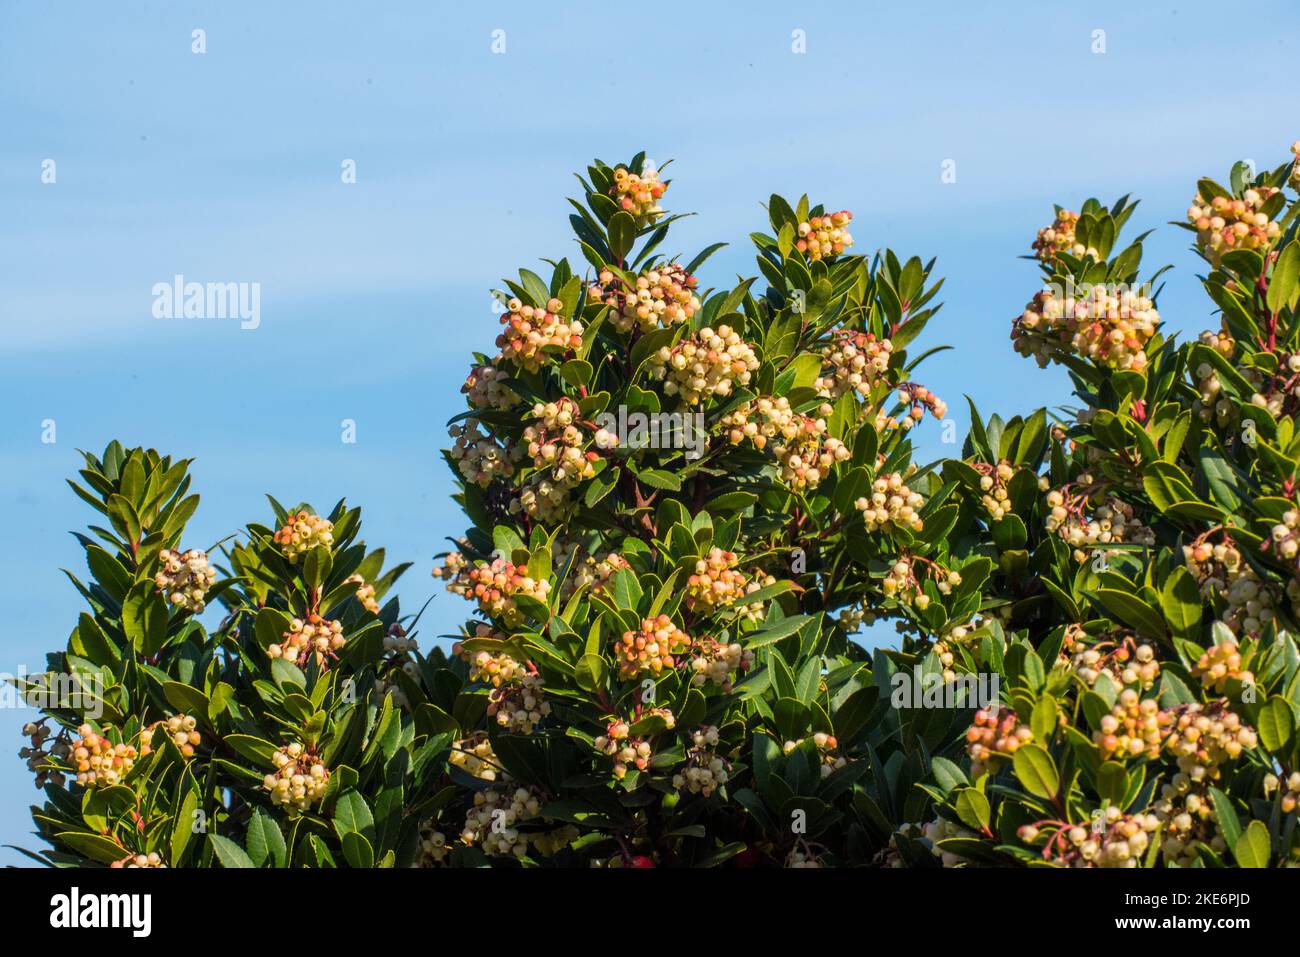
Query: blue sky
[[225, 166]]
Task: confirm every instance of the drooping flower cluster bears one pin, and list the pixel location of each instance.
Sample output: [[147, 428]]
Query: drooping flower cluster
[[432, 848], [133, 861], [474, 755], [995, 735], [715, 582], [491, 822], [302, 533], [1188, 821], [477, 455], [1059, 238], [45, 761], [495, 586], [554, 442], [1090, 518], [705, 770], [531, 329], [181, 728], [829, 758], [891, 505], [713, 662], [1125, 662], [1135, 726], [300, 777], [1114, 839], [626, 750], [1109, 324], [98, 761], [516, 700], [993, 488], [651, 649], [803, 449], [664, 295], [365, 593], [824, 236], [1224, 223], [639, 194], [587, 571], [853, 362], [1220, 569], [941, 829], [708, 363], [486, 388], [922, 400], [184, 578], [1203, 737], [1220, 664], [324, 636]]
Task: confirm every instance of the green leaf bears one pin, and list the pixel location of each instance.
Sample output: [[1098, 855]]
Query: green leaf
[[973, 808], [1284, 284], [144, 619], [1276, 724], [265, 840], [1253, 847], [228, 852], [1036, 771]]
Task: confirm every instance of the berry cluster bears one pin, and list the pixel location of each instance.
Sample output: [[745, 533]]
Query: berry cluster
[[302, 533], [1111, 326], [1089, 518], [853, 362], [477, 456], [1291, 798], [98, 761], [921, 400], [717, 663], [1059, 238], [891, 505], [705, 770], [531, 329], [587, 571], [495, 586], [1223, 223], [184, 578], [152, 859], [324, 636], [1135, 726], [663, 296], [486, 388], [995, 735], [824, 236], [432, 845], [299, 780], [651, 649], [639, 194], [709, 363]]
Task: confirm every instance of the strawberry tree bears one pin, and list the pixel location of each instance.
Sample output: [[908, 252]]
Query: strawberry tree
[[683, 502]]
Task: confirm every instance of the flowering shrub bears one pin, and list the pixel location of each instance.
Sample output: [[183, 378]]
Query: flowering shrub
[[682, 503]]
